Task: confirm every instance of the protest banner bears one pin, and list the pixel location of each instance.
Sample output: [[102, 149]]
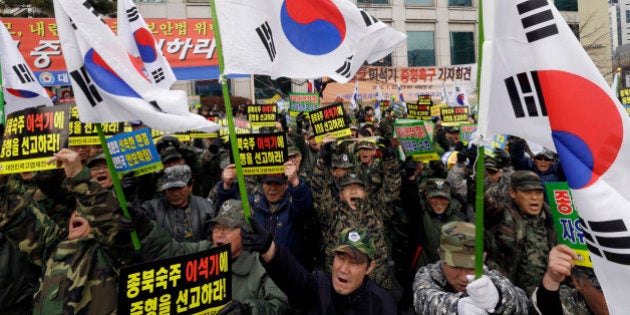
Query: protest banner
[[262, 115], [454, 115], [330, 119], [85, 133], [415, 140], [437, 108], [624, 98], [466, 131], [422, 109], [187, 44], [262, 153], [301, 103], [32, 136], [567, 222], [198, 283], [134, 151], [242, 126]]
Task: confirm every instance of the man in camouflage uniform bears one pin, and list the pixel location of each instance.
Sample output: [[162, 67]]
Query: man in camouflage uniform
[[437, 207], [354, 208], [449, 287], [519, 243], [496, 192], [554, 296], [78, 262]]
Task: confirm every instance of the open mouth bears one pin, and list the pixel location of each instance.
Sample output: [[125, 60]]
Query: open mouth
[[342, 280], [77, 224], [101, 178]]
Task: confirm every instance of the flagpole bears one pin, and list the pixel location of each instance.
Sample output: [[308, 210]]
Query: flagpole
[[4, 115], [117, 187], [479, 168], [228, 111]]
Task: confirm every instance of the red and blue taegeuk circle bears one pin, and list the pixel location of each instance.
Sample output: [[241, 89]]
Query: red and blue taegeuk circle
[[106, 78], [314, 27], [146, 45], [586, 125]]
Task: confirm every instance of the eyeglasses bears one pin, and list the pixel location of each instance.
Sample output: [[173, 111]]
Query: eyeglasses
[[543, 158], [491, 171]]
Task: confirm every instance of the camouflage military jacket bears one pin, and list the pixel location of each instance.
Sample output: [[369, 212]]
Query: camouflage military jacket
[[510, 251], [572, 301], [433, 295], [74, 273]]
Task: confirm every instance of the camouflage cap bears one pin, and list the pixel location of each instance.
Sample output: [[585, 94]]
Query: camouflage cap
[[351, 178], [457, 242], [231, 214], [438, 187], [169, 154], [526, 180], [176, 176], [357, 239], [341, 161], [491, 164], [367, 145], [93, 159], [293, 150]]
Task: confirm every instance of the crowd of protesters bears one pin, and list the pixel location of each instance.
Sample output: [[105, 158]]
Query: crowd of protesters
[[352, 226]]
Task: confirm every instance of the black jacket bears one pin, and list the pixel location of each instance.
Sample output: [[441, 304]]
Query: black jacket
[[314, 293]]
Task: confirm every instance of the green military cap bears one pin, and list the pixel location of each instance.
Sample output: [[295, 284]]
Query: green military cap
[[293, 150], [169, 154], [351, 178], [357, 239], [438, 187], [367, 145], [341, 161], [231, 214], [457, 242], [526, 180], [491, 164], [92, 160]]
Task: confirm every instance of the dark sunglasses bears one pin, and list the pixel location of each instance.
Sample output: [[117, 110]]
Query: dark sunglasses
[[543, 158]]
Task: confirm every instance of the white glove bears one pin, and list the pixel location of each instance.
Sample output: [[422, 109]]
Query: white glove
[[465, 306], [483, 292]]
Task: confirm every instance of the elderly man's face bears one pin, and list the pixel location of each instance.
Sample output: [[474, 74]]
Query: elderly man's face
[[274, 191], [178, 197], [78, 226], [543, 163], [439, 204], [222, 234], [456, 276], [529, 202], [348, 273], [351, 193], [100, 172]]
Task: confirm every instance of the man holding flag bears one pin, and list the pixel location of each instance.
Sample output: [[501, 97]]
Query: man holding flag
[[538, 83]]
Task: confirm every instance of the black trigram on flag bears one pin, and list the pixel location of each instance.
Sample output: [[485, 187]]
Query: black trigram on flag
[[92, 10], [264, 32], [82, 79], [537, 19], [23, 73], [525, 95], [158, 75], [132, 14], [608, 239], [367, 18], [344, 70]]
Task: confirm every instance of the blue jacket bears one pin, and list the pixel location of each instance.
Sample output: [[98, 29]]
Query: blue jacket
[[287, 222]]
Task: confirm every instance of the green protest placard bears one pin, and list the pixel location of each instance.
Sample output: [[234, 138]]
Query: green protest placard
[[301, 103], [415, 140], [199, 283], [31, 137], [330, 119], [465, 132], [567, 222], [262, 115], [85, 133], [454, 115], [262, 153]]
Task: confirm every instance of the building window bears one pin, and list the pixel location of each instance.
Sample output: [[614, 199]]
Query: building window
[[462, 48], [627, 16], [420, 49], [368, 2], [420, 2], [460, 3], [566, 5]]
